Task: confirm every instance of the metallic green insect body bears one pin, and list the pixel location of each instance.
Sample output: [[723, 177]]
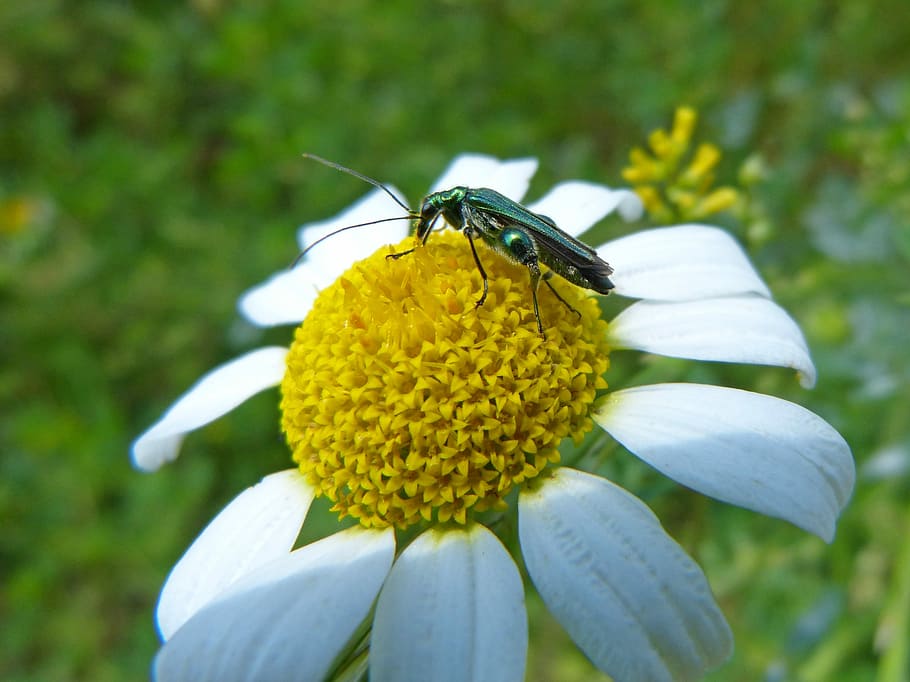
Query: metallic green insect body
[[509, 229], [519, 235]]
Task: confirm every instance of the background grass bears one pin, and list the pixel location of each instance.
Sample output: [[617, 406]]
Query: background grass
[[150, 172]]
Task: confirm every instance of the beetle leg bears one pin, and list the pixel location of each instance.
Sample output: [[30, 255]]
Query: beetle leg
[[398, 255], [483, 273], [546, 280], [534, 269]]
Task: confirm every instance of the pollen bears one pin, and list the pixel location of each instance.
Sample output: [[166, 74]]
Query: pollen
[[404, 403]]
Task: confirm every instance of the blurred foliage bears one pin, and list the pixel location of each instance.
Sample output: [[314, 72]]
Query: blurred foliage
[[150, 172]]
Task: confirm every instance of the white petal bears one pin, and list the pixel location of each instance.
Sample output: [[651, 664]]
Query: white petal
[[681, 263], [575, 206], [285, 298], [889, 463], [748, 449], [737, 329], [510, 178], [337, 253], [451, 609], [629, 596], [258, 526], [215, 394], [288, 620]]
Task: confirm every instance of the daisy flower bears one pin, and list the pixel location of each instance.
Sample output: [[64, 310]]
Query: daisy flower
[[430, 421]]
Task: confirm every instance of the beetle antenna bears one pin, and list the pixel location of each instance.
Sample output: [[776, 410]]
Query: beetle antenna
[[342, 229], [361, 176]]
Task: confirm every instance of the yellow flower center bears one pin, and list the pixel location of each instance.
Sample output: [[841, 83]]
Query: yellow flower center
[[403, 402]]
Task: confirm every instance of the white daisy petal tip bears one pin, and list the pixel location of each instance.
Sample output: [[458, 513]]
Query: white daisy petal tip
[[807, 378], [628, 595], [215, 394], [258, 526], [152, 450], [748, 449], [289, 619], [748, 329], [630, 206], [452, 608], [684, 262]]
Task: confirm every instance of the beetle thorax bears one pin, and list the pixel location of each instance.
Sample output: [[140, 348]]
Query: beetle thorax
[[446, 203]]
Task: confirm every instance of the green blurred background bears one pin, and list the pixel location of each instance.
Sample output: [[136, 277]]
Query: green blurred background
[[150, 172]]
